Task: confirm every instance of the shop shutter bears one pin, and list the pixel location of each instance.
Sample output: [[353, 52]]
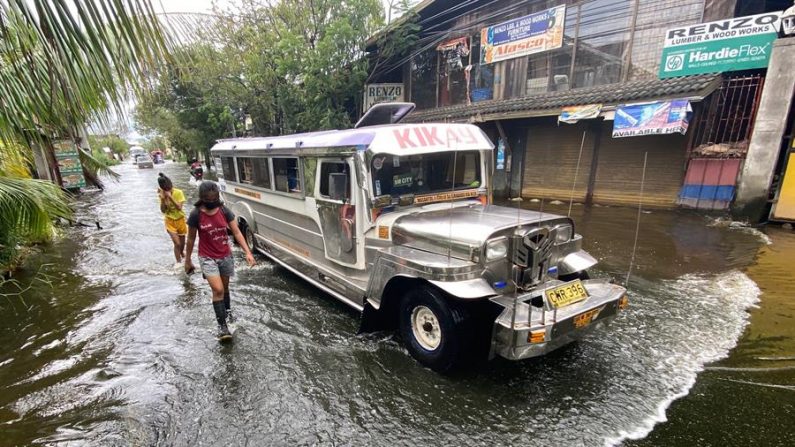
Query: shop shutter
[[550, 161], [620, 169]]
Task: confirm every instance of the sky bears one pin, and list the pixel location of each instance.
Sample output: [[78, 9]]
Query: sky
[[199, 5]]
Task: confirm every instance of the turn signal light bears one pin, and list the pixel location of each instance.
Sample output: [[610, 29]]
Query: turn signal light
[[623, 303], [536, 336]]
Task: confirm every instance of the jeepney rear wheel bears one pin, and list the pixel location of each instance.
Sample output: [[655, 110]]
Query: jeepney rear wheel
[[433, 329]]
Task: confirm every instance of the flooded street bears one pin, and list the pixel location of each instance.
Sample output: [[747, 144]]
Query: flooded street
[[117, 347]]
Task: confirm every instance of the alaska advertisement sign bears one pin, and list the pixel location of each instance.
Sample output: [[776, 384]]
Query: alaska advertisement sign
[[522, 36], [740, 43]]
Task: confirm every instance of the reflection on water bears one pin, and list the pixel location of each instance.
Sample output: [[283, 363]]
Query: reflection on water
[[120, 350]]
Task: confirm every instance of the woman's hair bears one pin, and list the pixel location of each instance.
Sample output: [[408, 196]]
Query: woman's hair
[[164, 182], [206, 189]]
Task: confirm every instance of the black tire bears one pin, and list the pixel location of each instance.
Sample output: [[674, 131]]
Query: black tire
[[251, 240], [581, 275], [448, 319]]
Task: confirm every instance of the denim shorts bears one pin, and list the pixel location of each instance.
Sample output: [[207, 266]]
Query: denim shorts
[[215, 267]]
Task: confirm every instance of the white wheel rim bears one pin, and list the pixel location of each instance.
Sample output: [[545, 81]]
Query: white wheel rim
[[250, 239], [425, 327]]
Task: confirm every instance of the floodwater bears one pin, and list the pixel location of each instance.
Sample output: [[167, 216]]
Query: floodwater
[[113, 346]]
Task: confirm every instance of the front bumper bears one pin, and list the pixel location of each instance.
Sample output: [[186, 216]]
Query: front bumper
[[537, 331]]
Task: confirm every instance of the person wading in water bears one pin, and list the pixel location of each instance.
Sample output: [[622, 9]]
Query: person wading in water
[[171, 201], [210, 219]]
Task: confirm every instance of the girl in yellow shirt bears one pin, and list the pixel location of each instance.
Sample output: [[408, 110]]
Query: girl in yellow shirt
[[171, 201]]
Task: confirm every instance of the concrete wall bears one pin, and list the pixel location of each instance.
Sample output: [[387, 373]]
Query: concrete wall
[[753, 187]]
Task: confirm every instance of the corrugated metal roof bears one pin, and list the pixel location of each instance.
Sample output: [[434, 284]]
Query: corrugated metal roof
[[689, 87]]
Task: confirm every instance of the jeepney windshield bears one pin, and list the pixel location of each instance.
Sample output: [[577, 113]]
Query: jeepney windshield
[[425, 173]]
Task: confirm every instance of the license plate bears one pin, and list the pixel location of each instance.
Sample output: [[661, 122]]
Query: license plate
[[585, 318], [566, 294]]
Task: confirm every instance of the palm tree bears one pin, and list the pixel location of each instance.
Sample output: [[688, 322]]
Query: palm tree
[[63, 64]]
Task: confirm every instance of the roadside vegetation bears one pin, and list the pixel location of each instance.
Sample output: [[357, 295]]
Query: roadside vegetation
[[60, 68], [265, 68]]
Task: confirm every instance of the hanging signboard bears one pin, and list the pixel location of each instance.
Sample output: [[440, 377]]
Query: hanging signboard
[[69, 164], [573, 114], [378, 93], [652, 118], [522, 36], [740, 43]]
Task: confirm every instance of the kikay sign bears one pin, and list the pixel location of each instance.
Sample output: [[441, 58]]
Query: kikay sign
[[740, 43], [422, 138], [426, 136], [378, 93]]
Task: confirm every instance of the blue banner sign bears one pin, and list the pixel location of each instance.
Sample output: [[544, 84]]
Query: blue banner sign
[[652, 118], [522, 36]]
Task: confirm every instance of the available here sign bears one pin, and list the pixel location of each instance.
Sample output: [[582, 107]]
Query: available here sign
[[739, 43]]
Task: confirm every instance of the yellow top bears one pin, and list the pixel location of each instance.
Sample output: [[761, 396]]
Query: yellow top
[[173, 212]]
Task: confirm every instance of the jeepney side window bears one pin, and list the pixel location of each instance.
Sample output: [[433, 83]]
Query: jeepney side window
[[228, 166], [287, 175], [254, 171], [332, 167]]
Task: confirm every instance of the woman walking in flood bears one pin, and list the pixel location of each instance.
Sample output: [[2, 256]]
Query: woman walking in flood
[[210, 220], [171, 201]]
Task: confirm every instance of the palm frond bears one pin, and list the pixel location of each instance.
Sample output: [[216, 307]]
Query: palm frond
[[28, 207], [63, 65], [92, 167]]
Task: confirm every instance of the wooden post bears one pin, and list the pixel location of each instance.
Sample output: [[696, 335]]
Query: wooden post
[[596, 129]]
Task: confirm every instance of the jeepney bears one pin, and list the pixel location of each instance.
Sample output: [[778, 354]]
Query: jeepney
[[397, 222]]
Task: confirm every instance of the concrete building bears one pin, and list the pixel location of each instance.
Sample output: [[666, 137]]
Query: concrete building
[[516, 68]]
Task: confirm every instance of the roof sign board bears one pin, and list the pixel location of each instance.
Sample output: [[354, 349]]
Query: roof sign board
[[652, 118], [378, 93], [739, 43], [523, 36]]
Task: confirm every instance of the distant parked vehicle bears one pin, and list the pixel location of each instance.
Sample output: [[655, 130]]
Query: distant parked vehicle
[[135, 152], [144, 161]]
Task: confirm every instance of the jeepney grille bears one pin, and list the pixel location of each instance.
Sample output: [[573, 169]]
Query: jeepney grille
[[531, 251]]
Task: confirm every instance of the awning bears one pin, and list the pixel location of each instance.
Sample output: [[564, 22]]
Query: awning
[[692, 88]]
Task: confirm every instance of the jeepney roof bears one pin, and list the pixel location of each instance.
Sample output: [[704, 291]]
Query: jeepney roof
[[394, 139]]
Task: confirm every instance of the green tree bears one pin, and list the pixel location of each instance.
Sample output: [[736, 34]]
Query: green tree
[[61, 66], [289, 65]]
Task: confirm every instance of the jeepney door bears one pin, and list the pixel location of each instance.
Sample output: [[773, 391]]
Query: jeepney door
[[337, 210]]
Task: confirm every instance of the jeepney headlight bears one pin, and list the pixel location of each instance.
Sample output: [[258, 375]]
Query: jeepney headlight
[[496, 249], [563, 233]]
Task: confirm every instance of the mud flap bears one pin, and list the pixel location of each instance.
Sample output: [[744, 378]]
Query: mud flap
[[370, 320]]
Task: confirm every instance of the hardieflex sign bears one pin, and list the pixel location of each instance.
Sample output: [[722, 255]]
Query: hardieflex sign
[[652, 118], [739, 43]]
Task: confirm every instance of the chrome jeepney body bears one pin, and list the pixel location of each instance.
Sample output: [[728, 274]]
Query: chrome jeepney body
[[372, 214]]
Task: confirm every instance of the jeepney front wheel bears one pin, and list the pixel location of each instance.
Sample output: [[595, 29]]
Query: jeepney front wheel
[[433, 329], [248, 235]]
